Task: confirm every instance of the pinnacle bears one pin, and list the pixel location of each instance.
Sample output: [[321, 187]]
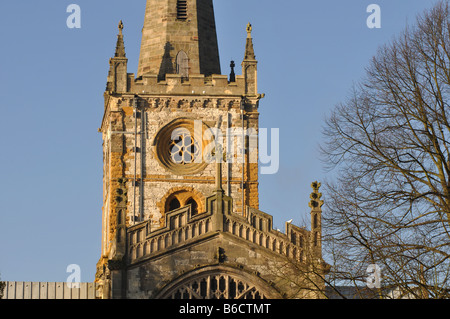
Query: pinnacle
[[249, 50], [120, 47]]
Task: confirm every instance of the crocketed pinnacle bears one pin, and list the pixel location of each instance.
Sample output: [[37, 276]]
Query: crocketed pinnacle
[[249, 51], [316, 197], [120, 47]]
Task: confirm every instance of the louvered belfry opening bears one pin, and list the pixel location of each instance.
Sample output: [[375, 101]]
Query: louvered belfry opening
[[182, 9]]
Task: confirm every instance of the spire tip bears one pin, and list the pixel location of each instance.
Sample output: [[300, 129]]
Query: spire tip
[[120, 26], [249, 30]]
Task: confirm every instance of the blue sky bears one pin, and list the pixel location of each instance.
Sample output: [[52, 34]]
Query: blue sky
[[52, 80]]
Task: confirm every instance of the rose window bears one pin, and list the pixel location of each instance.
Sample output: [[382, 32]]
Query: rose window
[[178, 149], [183, 148]]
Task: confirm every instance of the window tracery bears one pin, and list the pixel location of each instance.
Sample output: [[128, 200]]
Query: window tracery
[[216, 287]]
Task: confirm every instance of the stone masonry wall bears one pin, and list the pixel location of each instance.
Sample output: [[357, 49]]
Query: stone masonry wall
[[159, 181]]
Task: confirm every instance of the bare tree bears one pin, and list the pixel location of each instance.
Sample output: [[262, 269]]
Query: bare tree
[[389, 147]]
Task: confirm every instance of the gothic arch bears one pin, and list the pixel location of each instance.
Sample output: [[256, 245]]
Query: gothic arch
[[182, 62], [184, 196], [218, 282]]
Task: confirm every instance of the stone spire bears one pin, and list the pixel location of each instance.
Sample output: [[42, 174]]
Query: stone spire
[[179, 36], [120, 46]]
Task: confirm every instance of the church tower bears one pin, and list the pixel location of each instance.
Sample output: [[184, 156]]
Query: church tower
[[180, 178]]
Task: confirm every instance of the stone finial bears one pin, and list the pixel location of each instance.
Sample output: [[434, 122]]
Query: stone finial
[[120, 26], [316, 201], [232, 73], [249, 30]]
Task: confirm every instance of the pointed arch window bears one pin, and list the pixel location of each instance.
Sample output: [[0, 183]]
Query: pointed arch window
[[194, 205], [215, 286], [174, 204], [183, 64], [181, 198], [181, 9]]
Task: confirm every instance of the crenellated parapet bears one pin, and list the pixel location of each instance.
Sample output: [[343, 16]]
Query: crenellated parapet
[[193, 84], [200, 84]]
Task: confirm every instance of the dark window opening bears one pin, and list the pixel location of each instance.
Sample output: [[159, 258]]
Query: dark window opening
[[294, 238], [174, 204], [119, 217], [194, 206], [316, 239], [182, 9]]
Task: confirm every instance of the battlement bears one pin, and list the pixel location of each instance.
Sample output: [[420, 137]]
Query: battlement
[[175, 84], [181, 75]]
